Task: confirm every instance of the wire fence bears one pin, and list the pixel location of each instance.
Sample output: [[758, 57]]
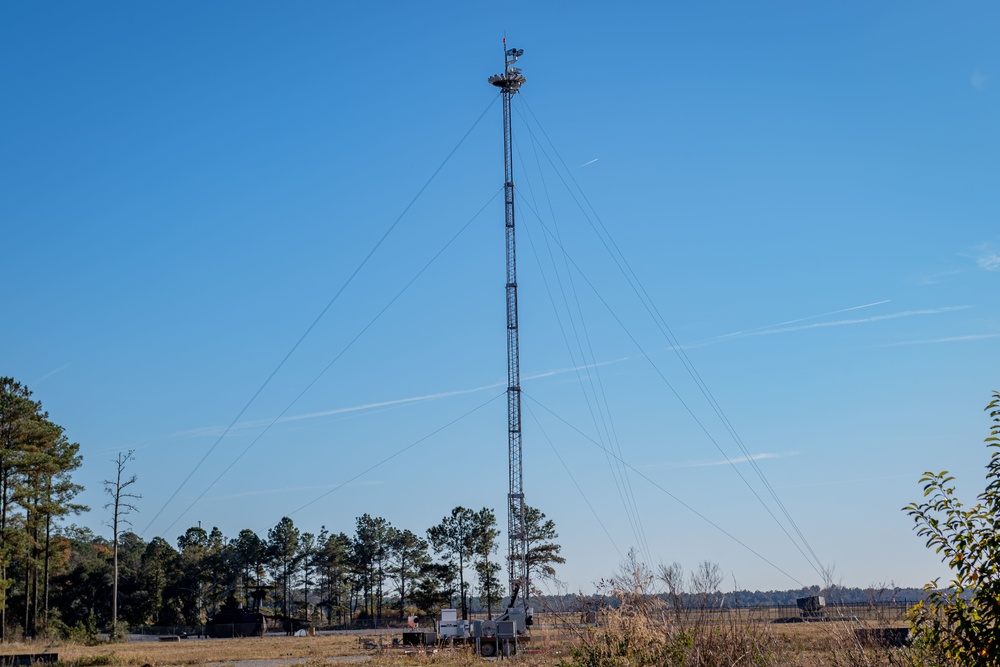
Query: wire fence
[[893, 611]]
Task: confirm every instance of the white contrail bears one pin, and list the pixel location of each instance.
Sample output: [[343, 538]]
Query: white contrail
[[763, 456], [590, 162], [749, 332], [949, 339], [53, 372], [378, 404], [573, 369], [216, 430], [433, 397], [876, 318]]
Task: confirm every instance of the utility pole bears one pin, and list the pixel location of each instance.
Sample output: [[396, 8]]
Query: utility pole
[[508, 83]]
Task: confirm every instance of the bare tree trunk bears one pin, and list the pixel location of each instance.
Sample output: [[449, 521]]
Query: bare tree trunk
[[114, 570], [3, 548], [117, 489], [378, 599], [461, 586], [48, 550], [305, 592], [27, 578], [34, 586]]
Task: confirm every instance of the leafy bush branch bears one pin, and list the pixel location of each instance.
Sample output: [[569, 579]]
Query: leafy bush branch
[[963, 618]]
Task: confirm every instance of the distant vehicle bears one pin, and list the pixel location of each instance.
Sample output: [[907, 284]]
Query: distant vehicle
[[232, 620], [812, 606]]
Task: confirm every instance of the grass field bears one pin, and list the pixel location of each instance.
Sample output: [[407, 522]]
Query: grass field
[[286, 650], [831, 644]]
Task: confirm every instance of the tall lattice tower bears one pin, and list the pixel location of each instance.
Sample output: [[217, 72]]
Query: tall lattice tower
[[508, 83]]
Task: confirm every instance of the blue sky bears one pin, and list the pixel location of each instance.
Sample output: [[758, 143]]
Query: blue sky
[[805, 192]]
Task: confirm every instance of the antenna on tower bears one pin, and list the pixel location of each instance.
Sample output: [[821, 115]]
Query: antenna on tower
[[508, 83]]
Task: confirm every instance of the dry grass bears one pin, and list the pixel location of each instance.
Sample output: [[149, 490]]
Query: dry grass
[[198, 651], [629, 639], [636, 641], [644, 631]]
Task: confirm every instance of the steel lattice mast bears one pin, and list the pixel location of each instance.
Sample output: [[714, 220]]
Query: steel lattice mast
[[508, 83]]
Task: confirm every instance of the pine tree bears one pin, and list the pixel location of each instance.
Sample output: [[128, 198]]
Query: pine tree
[[282, 544], [484, 540], [371, 548], [36, 461], [543, 552], [407, 554], [17, 410], [454, 537]]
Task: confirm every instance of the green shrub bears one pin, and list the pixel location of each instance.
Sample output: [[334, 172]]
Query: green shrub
[[119, 633], [963, 619], [85, 633]]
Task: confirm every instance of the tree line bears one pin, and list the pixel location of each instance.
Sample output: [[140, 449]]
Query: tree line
[[36, 491], [55, 576], [377, 572]]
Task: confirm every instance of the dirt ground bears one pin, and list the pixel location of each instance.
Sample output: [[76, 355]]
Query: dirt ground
[[271, 651], [810, 643]]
